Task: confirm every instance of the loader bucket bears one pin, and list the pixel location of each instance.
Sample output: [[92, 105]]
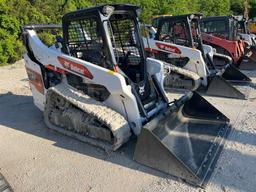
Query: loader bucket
[[185, 143], [234, 75], [253, 53], [219, 87], [246, 63]]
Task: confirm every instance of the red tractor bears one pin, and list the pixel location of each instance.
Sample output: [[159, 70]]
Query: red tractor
[[222, 33]]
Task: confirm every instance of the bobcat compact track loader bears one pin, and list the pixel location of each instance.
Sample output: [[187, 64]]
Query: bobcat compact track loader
[[222, 33], [178, 41], [97, 86]]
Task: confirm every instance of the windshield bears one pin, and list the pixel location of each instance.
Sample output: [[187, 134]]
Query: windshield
[[175, 32], [234, 29], [196, 33], [217, 28]]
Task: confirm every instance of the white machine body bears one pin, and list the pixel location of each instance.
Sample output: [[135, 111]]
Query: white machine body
[[121, 99], [196, 61]]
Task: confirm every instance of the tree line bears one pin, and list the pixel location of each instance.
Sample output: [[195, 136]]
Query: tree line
[[15, 13]]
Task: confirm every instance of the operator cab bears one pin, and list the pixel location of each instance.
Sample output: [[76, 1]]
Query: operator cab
[[182, 30], [225, 27], [108, 36]]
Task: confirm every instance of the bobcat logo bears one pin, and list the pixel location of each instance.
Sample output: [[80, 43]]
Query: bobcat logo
[[141, 89], [75, 67]]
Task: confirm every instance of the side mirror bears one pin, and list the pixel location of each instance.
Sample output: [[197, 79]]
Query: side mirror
[[152, 33], [59, 42]]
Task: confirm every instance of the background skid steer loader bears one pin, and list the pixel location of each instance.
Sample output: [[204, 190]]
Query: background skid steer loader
[[178, 41], [97, 86], [243, 31], [222, 34], [252, 27]]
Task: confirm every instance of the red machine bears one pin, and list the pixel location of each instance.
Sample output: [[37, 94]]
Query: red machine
[[222, 34]]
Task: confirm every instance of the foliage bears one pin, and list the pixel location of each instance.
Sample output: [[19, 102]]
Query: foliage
[[15, 13], [10, 49], [252, 13], [237, 7], [215, 7]]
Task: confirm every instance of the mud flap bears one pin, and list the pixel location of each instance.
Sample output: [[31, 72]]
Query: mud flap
[[234, 75], [185, 143], [218, 86]]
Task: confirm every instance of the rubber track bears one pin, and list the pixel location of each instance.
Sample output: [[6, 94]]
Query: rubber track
[[115, 121], [196, 78]]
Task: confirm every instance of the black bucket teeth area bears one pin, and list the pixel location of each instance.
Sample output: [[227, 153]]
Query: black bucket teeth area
[[182, 145], [233, 74], [199, 108], [247, 64], [219, 87]]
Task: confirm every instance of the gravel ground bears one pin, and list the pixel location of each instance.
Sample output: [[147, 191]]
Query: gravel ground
[[33, 158]]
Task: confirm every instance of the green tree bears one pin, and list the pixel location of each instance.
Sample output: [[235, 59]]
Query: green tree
[[236, 7], [252, 12], [15, 13], [10, 46], [215, 7]]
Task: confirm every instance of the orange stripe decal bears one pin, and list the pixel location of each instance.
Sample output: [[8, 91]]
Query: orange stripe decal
[[152, 50], [53, 68]]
